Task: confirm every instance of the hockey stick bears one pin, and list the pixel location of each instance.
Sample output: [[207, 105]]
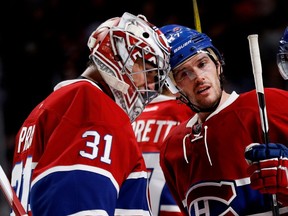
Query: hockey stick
[[257, 72], [10, 194], [196, 16]]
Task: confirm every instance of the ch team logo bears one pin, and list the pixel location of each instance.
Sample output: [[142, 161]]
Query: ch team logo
[[202, 197]]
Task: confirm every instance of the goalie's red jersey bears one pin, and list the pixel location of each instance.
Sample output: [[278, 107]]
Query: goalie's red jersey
[[207, 171], [76, 153], [159, 117]]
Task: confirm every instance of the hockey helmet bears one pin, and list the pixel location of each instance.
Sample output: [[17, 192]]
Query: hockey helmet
[[186, 42]]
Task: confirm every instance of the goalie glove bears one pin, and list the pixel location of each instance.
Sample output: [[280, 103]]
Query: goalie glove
[[268, 169]]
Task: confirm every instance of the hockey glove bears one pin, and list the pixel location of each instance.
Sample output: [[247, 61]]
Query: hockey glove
[[268, 169]]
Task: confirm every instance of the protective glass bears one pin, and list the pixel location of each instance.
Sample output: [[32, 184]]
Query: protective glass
[[181, 74]]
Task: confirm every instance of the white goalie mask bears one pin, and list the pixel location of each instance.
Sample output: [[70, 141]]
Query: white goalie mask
[[127, 47]]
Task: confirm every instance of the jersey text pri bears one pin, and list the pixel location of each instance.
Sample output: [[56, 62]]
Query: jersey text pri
[[25, 138]]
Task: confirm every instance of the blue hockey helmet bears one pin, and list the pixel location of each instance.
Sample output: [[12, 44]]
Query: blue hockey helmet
[[282, 55], [186, 42]]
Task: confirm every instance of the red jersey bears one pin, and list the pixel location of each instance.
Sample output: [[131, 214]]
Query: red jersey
[[158, 118], [206, 171], [76, 153]]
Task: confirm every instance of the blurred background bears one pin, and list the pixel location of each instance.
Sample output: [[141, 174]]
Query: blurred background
[[43, 42]]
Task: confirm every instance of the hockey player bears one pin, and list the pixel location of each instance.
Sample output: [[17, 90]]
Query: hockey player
[[204, 159], [159, 117], [76, 153]]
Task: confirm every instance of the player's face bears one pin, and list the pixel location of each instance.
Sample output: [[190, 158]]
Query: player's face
[[143, 76], [198, 78]]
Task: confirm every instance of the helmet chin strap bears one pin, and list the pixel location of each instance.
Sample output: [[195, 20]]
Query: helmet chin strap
[[184, 99]]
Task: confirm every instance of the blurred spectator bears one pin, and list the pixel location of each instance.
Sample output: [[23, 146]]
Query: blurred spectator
[[229, 29]]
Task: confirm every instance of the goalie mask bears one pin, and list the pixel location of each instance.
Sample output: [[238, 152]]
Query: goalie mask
[[117, 46], [282, 55]]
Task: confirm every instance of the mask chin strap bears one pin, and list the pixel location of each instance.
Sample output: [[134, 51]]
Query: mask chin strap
[[110, 79], [114, 82]]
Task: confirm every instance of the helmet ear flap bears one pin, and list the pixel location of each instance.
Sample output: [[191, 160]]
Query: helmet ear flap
[[170, 84]]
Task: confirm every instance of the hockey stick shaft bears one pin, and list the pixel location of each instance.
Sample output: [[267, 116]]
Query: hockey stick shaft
[[10, 194], [257, 72], [196, 16]]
